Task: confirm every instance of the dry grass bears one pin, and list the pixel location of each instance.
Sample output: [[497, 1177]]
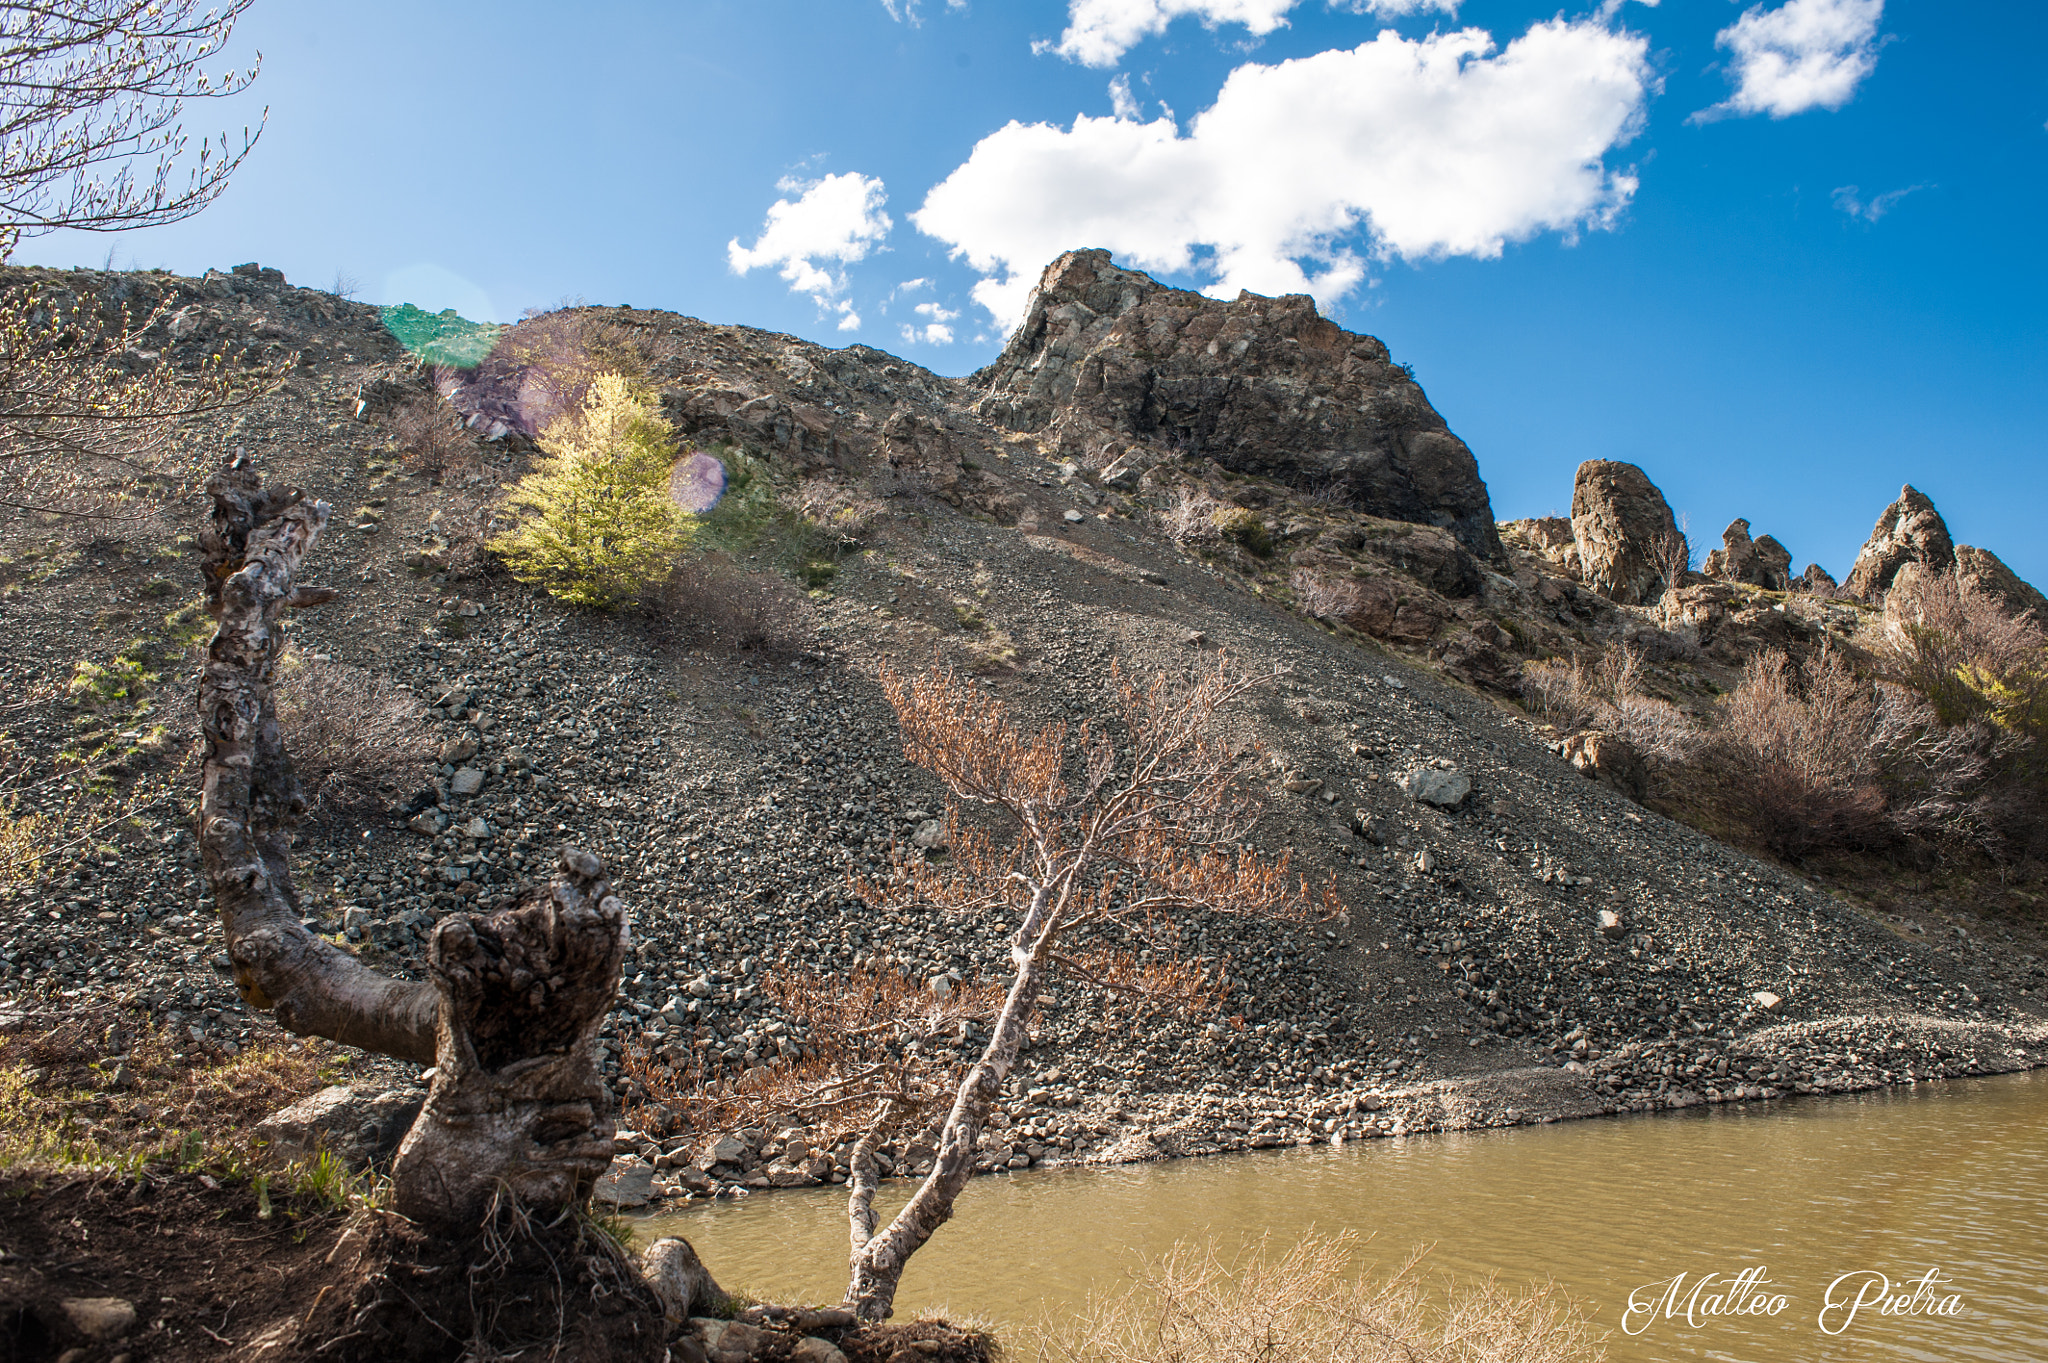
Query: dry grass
[[1305, 1303], [354, 736], [111, 1087]]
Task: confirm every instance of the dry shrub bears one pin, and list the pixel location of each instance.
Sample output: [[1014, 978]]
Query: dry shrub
[[1605, 694], [1192, 1306], [846, 514], [431, 438], [1956, 645], [1191, 520], [1940, 778], [1671, 553], [1962, 738], [1559, 691], [1324, 597], [1796, 766], [354, 735], [859, 1038], [711, 605], [1655, 728]]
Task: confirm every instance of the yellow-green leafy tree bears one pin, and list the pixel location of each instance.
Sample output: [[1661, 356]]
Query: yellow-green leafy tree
[[594, 523]]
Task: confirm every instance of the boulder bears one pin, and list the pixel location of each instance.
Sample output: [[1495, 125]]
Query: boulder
[[1984, 570], [361, 1126], [1774, 564], [1108, 359], [1388, 608], [1909, 531], [1619, 522], [1446, 788], [628, 1183], [723, 1150], [679, 1278], [1609, 759], [1431, 556]]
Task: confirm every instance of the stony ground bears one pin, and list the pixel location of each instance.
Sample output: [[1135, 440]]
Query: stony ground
[[1469, 983]]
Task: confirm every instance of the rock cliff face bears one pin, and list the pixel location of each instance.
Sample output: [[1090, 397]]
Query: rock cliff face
[[1618, 521], [1909, 531], [1987, 572], [1108, 359]]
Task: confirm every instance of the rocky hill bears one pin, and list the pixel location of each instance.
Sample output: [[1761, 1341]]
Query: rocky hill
[[1144, 478]]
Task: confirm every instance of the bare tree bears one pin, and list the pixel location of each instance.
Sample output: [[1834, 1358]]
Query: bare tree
[[510, 1011], [1126, 827], [1671, 554], [91, 97], [87, 424]]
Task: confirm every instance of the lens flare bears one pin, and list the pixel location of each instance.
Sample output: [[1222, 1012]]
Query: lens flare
[[697, 482]]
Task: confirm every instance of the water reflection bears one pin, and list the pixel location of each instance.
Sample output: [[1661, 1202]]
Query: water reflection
[[1950, 1175]]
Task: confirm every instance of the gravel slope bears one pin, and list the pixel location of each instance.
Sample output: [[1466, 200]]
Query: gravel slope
[[1470, 983]]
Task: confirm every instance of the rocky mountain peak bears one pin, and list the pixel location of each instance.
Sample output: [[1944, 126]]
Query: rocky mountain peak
[[1109, 364], [1910, 530]]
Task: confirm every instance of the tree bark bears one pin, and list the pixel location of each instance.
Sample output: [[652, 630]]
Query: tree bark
[[249, 797], [878, 1260], [517, 1105], [512, 1007]]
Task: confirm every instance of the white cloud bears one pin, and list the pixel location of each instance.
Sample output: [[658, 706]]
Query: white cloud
[[1121, 101], [1851, 201], [1434, 147], [933, 333], [834, 220], [913, 10], [1806, 54], [1099, 32], [849, 320], [935, 312], [1400, 9]]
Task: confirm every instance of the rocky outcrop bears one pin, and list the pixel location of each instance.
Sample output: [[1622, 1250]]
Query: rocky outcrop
[[1548, 537], [1986, 572], [1620, 522], [1909, 531], [1108, 357], [1759, 563], [1816, 579]]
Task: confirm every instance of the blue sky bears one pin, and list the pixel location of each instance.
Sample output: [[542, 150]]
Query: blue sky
[[1786, 256]]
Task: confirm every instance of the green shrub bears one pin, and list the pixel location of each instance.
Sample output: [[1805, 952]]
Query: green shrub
[[1244, 528], [595, 522]]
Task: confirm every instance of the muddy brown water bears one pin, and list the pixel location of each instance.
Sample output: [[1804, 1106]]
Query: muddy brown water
[[1822, 1195]]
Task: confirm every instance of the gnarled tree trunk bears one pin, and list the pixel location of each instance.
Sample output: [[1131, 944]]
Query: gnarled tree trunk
[[875, 1268], [510, 1011]]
